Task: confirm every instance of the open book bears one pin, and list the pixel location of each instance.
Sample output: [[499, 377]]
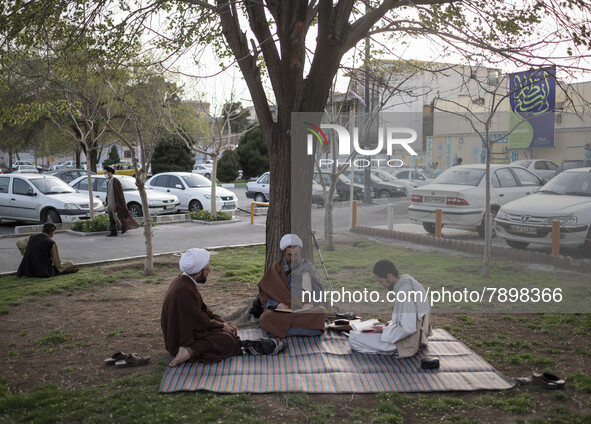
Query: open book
[[363, 326], [289, 310]]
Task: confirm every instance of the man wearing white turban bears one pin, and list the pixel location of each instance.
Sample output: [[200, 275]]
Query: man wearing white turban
[[282, 291], [192, 332]]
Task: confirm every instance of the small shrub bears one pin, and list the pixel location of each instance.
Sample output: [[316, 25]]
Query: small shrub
[[204, 215], [99, 223]]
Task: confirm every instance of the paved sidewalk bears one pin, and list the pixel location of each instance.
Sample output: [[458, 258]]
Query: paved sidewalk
[[167, 238]]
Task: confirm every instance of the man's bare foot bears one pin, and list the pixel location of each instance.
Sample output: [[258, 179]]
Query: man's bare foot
[[182, 356]]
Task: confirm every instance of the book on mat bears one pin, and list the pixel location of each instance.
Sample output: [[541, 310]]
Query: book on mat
[[289, 310], [364, 326]]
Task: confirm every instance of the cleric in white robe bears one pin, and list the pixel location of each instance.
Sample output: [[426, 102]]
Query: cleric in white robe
[[410, 325]]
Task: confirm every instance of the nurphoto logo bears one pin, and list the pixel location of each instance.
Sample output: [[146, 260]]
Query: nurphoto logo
[[389, 136]]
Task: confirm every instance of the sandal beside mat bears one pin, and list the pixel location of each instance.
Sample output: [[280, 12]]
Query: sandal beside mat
[[134, 360]]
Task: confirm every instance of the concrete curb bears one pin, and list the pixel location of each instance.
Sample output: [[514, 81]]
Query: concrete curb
[[227, 221], [82, 234], [564, 262], [232, 185], [67, 227]]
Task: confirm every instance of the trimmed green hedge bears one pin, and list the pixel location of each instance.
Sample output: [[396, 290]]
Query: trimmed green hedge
[[99, 223], [204, 215]]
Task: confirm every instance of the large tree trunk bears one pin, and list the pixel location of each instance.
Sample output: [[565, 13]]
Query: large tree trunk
[[278, 223]]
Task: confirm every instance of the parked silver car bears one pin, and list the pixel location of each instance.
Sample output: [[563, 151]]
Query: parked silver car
[[259, 190], [543, 168], [42, 198], [566, 198]]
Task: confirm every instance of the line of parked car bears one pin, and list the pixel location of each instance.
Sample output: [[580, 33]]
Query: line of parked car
[[64, 197], [523, 204]]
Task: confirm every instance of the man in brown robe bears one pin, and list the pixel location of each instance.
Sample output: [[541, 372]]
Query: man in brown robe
[[192, 332], [41, 257], [287, 311], [119, 216]]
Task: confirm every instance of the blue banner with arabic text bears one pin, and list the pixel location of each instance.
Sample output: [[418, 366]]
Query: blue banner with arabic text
[[532, 99]]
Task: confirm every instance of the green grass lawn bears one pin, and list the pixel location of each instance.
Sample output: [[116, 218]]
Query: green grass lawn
[[512, 343]]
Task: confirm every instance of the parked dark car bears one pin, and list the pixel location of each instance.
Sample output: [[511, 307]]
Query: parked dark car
[[383, 189], [68, 175], [343, 186]]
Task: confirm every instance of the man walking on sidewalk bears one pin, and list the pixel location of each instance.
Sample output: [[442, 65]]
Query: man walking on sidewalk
[[119, 217]]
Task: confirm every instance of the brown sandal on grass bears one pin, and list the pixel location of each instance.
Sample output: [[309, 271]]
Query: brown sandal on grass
[[118, 356]]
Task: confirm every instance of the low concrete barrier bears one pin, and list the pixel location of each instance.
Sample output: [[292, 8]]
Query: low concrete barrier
[[560, 261]]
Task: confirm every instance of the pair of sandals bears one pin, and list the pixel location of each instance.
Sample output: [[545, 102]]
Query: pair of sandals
[[545, 381], [263, 346], [125, 360]]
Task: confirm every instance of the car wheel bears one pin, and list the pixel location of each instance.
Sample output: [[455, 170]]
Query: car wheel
[[208, 176], [384, 194], [480, 229], [430, 227], [135, 210], [52, 216], [259, 197], [517, 244], [195, 206], [586, 247]]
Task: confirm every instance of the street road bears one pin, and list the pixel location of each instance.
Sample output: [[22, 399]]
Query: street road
[[181, 236]]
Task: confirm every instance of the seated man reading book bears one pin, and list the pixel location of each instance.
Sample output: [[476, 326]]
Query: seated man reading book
[[410, 325], [281, 290]]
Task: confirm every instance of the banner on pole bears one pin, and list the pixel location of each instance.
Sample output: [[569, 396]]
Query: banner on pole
[[532, 99]]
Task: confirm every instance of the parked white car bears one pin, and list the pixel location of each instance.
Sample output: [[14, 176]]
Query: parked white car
[[193, 191], [204, 169], [158, 203], [460, 193], [42, 198], [566, 198], [415, 177], [18, 163], [543, 168], [25, 169], [68, 164]]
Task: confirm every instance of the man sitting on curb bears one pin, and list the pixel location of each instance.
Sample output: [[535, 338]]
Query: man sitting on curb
[[192, 332], [411, 317], [40, 255]]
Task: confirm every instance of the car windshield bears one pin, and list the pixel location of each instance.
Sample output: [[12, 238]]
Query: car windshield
[[460, 176], [430, 174], [196, 181], [51, 185], [569, 183]]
